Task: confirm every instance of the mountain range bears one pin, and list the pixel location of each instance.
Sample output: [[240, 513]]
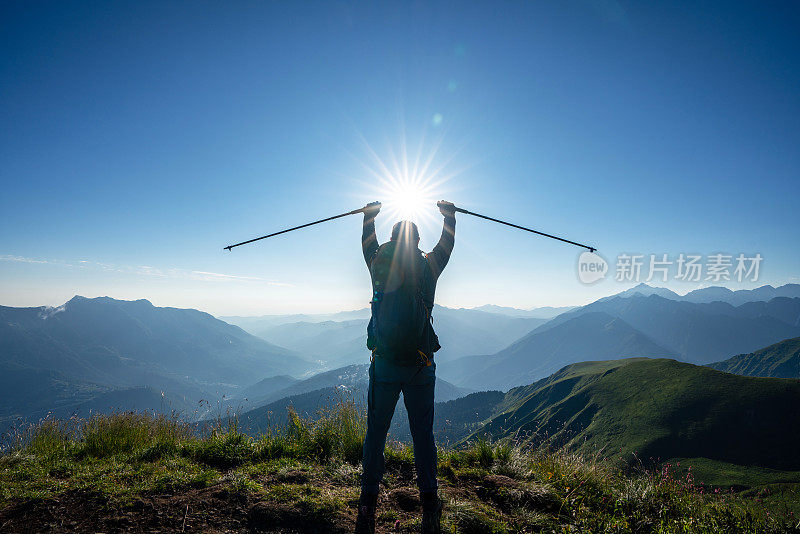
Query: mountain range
[[701, 332], [494, 347], [648, 325], [596, 335], [716, 293], [87, 350]]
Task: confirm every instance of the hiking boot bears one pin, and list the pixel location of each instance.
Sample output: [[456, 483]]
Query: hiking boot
[[365, 522], [431, 513]]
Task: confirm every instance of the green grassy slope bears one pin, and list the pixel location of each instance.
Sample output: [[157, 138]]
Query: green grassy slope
[[659, 409], [781, 360]]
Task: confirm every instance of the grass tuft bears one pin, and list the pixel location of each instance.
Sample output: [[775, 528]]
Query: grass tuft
[[475, 518], [105, 435]]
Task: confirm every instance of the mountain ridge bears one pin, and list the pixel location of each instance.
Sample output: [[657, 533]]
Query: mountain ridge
[[780, 360], [659, 408]]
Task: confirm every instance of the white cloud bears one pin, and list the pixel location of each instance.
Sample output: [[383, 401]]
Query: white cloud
[[147, 270], [20, 259], [226, 276]]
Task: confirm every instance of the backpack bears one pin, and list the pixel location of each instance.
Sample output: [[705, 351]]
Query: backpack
[[400, 328]]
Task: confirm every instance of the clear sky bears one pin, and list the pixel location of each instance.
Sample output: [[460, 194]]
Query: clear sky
[[140, 138]]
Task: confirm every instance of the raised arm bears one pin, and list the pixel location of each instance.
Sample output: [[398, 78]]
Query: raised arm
[[369, 241], [440, 254]]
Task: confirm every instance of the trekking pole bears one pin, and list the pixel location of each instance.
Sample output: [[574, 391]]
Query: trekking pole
[[461, 210], [359, 210]]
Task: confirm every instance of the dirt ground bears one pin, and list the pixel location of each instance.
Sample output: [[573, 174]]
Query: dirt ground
[[214, 510]]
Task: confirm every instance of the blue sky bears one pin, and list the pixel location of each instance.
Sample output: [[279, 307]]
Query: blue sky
[[141, 138]]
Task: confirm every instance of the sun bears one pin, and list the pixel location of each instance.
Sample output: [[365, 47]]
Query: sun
[[407, 200]]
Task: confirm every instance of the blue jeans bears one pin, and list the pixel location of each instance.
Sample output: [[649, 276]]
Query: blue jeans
[[386, 381]]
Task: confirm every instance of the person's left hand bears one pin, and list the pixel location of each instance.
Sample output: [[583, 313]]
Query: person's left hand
[[448, 209]]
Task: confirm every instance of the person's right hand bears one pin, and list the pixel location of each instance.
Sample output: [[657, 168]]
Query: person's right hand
[[372, 209]]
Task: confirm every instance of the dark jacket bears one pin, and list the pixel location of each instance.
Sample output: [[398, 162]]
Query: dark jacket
[[435, 262]]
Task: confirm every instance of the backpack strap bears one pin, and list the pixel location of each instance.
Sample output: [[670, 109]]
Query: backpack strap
[[425, 360]]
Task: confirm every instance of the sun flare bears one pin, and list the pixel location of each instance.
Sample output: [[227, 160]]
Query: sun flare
[[406, 200]]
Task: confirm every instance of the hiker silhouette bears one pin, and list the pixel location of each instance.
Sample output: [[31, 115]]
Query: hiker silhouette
[[402, 340]]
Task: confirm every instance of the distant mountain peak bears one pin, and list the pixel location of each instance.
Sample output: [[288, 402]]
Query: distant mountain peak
[[645, 290], [542, 312], [81, 298]]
